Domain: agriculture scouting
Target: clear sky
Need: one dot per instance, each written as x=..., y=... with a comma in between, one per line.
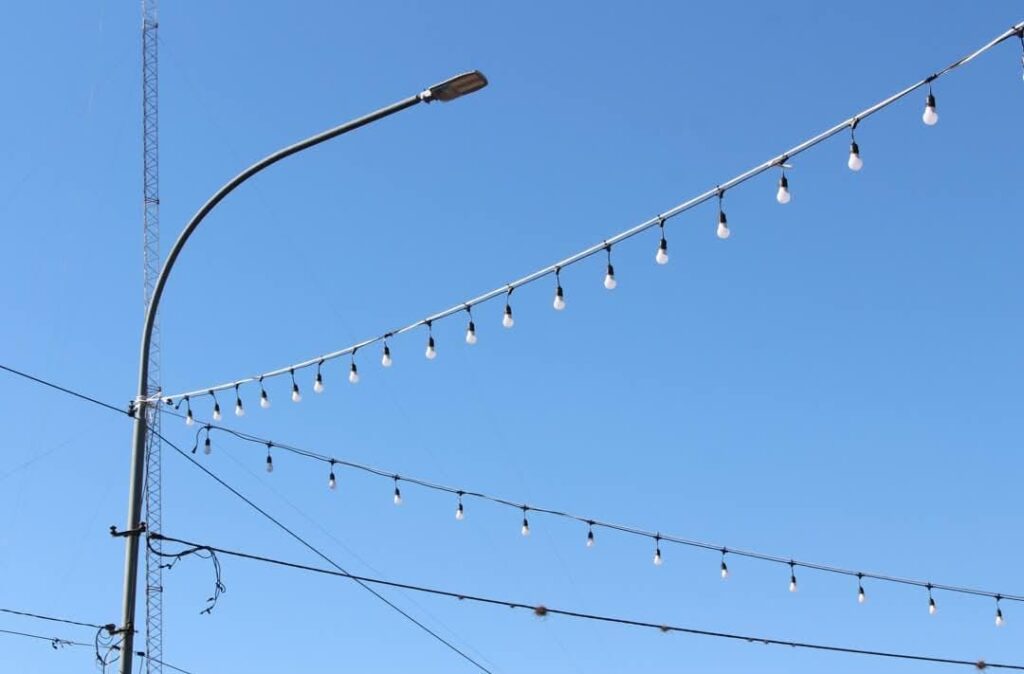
x=838, y=382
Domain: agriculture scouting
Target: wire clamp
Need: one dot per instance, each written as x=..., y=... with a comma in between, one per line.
x=129, y=532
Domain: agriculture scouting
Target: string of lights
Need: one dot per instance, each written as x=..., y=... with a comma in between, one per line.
x=780, y=162
x=309, y=546
x=544, y=611
x=591, y=523
x=462, y=496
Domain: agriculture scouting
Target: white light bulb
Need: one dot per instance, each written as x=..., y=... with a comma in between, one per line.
x=460, y=514
x=657, y=556
x=861, y=596
x=559, y=302
x=331, y=481
x=270, y=464
x=506, y=319
x=590, y=538
x=239, y=410
x=725, y=570
x=398, y=497
x=723, y=226
x=189, y=419
x=525, y=530
x=999, y=617
x=385, y=360
x=661, y=257
x=932, y=608
x=930, y=116
x=216, y=412
x=792, y=583
x=855, y=162
x=609, y=278
x=431, y=352
x=318, y=385
x=207, y=447
x=353, y=374
x=296, y=396
x=264, y=400
x=471, y=333
x=783, y=196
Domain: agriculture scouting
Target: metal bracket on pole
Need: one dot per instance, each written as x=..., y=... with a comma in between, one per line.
x=129, y=532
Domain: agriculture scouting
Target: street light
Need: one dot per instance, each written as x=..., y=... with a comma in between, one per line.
x=449, y=90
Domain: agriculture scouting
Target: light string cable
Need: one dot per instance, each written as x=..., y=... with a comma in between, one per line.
x=659, y=221
x=132, y=410
x=590, y=522
x=309, y=546
x=543, y=611
x=463, y=494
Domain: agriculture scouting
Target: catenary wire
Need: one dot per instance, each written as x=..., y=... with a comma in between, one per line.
x=542, y=610
x=251, y=504
x=599, y=523
x=657, y=221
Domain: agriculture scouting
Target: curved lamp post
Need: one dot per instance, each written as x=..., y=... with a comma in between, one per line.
x=449, y=90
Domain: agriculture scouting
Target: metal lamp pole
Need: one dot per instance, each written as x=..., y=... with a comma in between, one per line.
x=448, y=90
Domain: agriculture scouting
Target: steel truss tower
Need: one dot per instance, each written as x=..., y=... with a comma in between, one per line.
x=151, y=269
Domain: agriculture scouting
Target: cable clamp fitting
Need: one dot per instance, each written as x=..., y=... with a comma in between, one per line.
x=130, y=532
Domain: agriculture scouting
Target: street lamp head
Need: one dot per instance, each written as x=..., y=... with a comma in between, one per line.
x=457, y=86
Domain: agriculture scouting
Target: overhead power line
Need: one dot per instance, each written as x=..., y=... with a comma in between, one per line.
x=718, y=192
x=542, y=610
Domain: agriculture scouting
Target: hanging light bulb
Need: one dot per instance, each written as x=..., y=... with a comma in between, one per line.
x=470, y=328
x=239, y=408
x=861, y=595
x=506, y=319
x=216, y=407
x=725, y=567
x=398, y=493
x=431, y=352
x=609, y=277
x=999, y=613
x=525, y=529
x=460, y=513
x=932, y=608
x=783, y=196
x=264, y=399
x=930, y=116
x=559, y=301
x=318, y=383
x=792, y=577
x=661, y=257
x=590, y=534
x=353, y=372
x=385, y=359
x=296, y=395
x=657, y=550
x=189, y=419
x=270, y=460
x=723, y=223
x=332, y=482
x=207, y=447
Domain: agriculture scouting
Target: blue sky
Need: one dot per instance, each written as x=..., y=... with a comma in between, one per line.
x=837, y=382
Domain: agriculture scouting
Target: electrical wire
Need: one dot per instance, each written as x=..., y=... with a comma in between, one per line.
x=251, y=504
x=38, y=616
x=324, y=557
x=592, y=522
x=657, y=221
x=541, y=611
x=60, y=642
